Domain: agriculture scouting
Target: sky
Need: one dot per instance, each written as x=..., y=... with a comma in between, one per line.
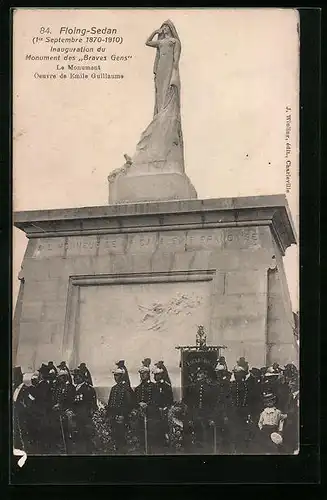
x=239, y=72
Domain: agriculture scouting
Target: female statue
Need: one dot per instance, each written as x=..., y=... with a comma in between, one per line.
x=161, y=144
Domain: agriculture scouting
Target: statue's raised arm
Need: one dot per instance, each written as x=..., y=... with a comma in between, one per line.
x=150, y=42
x=160, y=148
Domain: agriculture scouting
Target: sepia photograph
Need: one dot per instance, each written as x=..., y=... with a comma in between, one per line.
x=156, y=231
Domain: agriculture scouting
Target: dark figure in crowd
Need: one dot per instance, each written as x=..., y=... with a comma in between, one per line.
x=43, y=411
x=179, y=429
x=120, y=404
x=63, y=366
x=220, y=420
x=275, y=382
x=290, y=373
x=52, y=368
x=239, y=419
x=165, y=375
x=32, y=425
x=291, y=426
x=254, y=382
x=84, y=405
x=17, y=377
x=147, y=410
x=21, y=405
x=271, y=423
x=243, y=364
x=121, y=364
x=17, y=382
x=146, y=362
x=201, y=401
x=222, y=362
x=163, y=400
x=63, y=400
x=86, y=373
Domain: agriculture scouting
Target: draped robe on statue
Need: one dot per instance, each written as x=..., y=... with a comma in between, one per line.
x=161, y=144
x=156, y=171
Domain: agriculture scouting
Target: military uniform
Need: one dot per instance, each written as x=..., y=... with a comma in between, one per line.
x=201, y=401
x=147, y=412
x=238, y=414
x=43, y=394
x=84, y=405
x=163, y=400
x=63, y=400
x=222, y=394
x=120, y=404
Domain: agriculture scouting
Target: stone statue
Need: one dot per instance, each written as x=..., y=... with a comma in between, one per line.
x=201, y=337
x=161, y=144
x=160, y=148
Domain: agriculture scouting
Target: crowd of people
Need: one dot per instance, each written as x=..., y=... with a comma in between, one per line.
x=243, y=411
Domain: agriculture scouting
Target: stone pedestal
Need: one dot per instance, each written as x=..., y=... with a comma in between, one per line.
x=151, y=187
x=135, y=280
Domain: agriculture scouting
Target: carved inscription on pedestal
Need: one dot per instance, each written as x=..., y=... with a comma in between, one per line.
x=150, y=242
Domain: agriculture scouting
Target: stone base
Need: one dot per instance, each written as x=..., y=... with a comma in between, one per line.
x=133, y=281
x=151, y=187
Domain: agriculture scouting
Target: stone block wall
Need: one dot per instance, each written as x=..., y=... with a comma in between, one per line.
x=237, y=269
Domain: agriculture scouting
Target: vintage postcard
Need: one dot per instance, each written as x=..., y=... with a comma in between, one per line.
x=156, y=214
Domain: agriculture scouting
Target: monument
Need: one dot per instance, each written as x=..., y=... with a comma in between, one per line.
x=135, y=278
x=156, y=171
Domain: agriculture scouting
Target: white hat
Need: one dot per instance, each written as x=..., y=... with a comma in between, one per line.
x=157, y=371
x=219, y=368
x=27, y=378
x=118, y=371
x=271, y=372
x=144, y=369
x=238, y=368
x=276, y=438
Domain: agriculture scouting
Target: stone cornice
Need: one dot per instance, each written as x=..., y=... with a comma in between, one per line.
x=269, y=210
